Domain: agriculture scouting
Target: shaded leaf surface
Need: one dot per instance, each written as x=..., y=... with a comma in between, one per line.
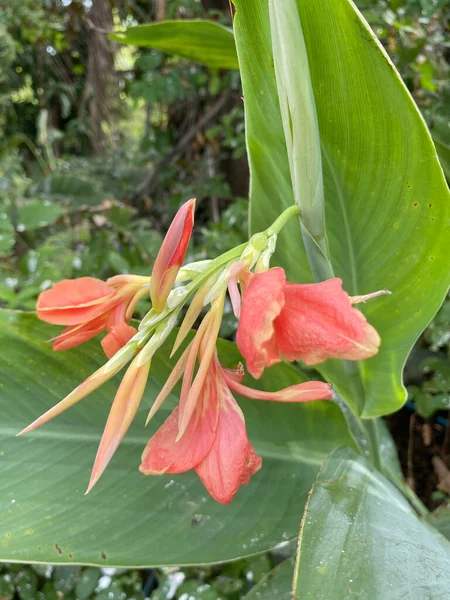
x=165, y=520
x=440, y=518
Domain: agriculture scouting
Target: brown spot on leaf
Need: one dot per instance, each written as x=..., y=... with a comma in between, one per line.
x=58, y=548
x=104, y=555
x=196, y=520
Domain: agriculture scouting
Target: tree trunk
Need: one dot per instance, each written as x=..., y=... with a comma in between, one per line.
x=101, y=89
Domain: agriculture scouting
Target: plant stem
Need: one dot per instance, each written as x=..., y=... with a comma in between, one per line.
x=281, y=221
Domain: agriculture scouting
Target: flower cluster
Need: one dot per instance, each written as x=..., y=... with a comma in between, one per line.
x=277, y=319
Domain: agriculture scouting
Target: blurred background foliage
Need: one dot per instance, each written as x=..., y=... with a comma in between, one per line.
x=226, y=582
x=99, y=145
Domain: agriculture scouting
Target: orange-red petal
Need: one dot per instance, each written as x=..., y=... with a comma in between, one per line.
x=231, y=459
x=164, y=454
x=262, y=303
x=74, y=301
x=123, y=410
x=78, y=334
x=117, y=338
x=300, y=392
x=319, y=322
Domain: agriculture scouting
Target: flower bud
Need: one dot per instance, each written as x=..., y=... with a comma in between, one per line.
x=171, y=255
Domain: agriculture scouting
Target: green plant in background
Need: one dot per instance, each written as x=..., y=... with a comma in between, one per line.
x=433, y=393
x=40, y=582
x=102, y=211
x=414, y=32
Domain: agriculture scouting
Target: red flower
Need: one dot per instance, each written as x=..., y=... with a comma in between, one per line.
x=207, y=432
x=215, y=442
x=308, y=322
x=89, y=306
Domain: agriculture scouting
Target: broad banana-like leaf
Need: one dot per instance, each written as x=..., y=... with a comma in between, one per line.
x=276, y=584
x=387, y=206
x=129, y=519
x=360, y=538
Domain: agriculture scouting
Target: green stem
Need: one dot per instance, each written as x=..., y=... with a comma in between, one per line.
x=217, y=264
x=281, y=221
x=221, y=261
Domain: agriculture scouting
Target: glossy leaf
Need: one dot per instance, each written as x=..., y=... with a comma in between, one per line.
x=430, y=7
x=204, y=42
x=164, y=520
x=359, y=537
x=386, y=201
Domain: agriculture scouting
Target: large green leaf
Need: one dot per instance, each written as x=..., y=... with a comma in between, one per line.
x=386, y=201
x=34, y=214
x=359, y=537
x=130, y=519
x=205, y=42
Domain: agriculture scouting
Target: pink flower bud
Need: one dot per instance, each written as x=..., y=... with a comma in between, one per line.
x=171, y=255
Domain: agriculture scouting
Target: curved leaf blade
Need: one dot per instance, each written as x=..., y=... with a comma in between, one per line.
x=359, y=537
x=440, y=519
x=204, y=42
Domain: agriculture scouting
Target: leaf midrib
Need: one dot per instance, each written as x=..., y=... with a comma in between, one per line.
x=345, y=218
x=297, y=455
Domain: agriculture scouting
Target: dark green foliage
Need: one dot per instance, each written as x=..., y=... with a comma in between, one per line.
x=415, y=34
x=43, y=582
x=432, y=394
